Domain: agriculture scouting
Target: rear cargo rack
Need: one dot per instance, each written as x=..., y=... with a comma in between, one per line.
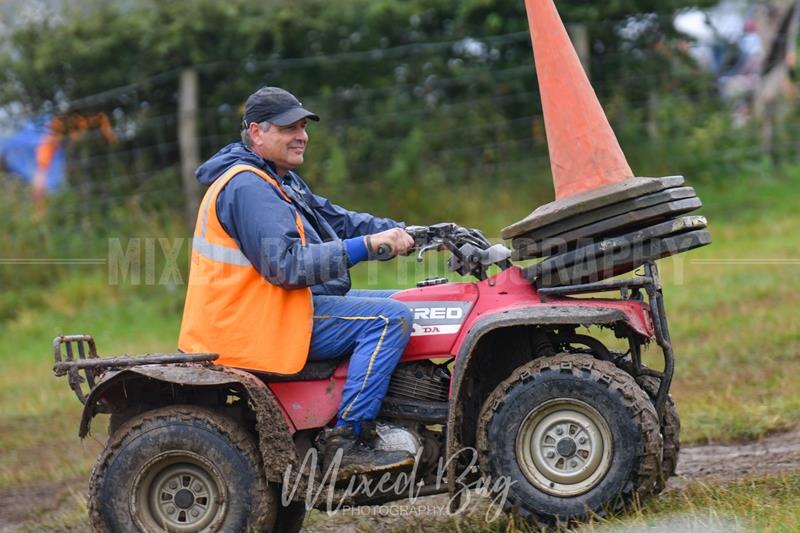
x=87, y=367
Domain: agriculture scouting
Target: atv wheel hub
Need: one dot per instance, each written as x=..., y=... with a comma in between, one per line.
x=179, y=492
x=183, y=498
x=564, y=447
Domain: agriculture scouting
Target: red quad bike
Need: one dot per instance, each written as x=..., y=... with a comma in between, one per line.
x=497, y=383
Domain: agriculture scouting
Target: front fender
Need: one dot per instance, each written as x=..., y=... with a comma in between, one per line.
x=274, y=439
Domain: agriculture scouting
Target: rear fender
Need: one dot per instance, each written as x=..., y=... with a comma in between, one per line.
x=274, y=437
x=511, y=327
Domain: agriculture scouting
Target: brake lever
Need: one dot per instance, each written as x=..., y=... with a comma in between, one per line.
x=431, y=246
x=478, y=235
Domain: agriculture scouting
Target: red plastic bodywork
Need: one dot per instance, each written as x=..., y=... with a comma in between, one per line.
x=421, y=345
x=312, y=404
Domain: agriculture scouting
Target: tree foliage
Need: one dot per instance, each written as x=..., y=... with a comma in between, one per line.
x=421, y=92
x=108, y=44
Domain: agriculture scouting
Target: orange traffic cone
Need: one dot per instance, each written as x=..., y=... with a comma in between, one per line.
x=584, y=152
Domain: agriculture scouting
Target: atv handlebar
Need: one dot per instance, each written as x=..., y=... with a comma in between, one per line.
x=384, y=251
x=472, y=251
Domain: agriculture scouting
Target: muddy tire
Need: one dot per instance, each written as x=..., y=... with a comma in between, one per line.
x=180, y=468
x=670, y=426
x=670, y=432
x=574, y=435
x=117, y=419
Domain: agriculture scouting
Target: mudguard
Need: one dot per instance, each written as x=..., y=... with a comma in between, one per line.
x=274, y=439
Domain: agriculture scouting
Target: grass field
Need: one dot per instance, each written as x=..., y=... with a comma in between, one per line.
x=733, y=315
x=759, y=504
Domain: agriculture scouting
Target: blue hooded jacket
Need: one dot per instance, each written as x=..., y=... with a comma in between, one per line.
x=263, y=224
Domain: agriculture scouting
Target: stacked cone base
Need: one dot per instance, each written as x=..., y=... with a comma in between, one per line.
x=589, y=200
x=525, y=248
x=530, y=245
x=618, y=255
x=608, y=231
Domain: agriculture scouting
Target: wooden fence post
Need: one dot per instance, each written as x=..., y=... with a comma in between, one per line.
x=188, y=141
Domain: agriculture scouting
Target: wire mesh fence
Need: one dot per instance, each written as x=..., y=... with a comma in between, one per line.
x=428, y=117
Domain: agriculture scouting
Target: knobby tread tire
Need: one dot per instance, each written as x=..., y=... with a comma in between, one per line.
x=262, y=518
x=670, y=431
x=670, y=425
x=117, y=419
x=642, y=479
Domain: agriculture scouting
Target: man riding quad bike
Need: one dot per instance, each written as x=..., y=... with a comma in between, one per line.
x=495, y=366
x=452, y=385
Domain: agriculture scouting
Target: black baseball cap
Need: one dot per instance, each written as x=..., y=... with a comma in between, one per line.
x=276, y=106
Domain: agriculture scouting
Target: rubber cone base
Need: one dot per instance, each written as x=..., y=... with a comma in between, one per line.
x=589, y=200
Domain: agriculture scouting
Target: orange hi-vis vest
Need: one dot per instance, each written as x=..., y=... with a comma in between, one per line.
x=231, y=309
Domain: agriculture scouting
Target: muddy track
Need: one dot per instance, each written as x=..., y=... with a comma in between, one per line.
x=776, y=454
x=772, y=455
x=24, y=506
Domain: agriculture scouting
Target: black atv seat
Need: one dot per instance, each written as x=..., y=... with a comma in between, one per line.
x=313, y=370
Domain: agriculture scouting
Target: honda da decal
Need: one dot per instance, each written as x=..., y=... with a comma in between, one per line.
x=438, y=318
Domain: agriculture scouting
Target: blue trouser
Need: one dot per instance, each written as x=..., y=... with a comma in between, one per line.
x=375, y=329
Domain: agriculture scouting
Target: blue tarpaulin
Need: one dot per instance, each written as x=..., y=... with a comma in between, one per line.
x=18, y=153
